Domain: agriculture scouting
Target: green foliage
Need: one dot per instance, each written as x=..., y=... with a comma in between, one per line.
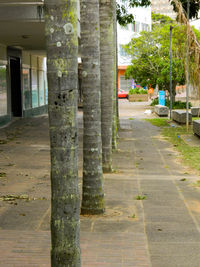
x=197, y=33
x=139, y=197
x=175, y=105
x=162, y=19
x=123, y=16
x=150, y=57
x=194, y=7
x=137, y=91
x=2, y=174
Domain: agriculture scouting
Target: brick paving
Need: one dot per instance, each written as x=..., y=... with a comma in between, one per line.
x=31, y=248
x=24, y=248
x=112, y=240
x=160, y=231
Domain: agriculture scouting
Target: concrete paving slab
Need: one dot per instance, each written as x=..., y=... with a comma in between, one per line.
x=162, y=230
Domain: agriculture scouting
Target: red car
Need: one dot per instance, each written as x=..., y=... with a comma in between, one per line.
x=122, y=94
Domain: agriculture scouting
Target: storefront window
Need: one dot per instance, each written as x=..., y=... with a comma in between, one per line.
x=3, y=91
x=26, y=89
x=41, y=87
x=34, y=89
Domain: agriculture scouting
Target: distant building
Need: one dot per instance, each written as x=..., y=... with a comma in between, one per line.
x=23, y=74
x=142, y=22
x=163, y=7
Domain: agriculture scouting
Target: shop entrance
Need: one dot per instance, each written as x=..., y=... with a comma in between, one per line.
x=15, y=83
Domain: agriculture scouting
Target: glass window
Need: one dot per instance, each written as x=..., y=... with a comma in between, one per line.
x=136, y=26
x=3, y=91
x=34, y=89
x=122, y=52
x=125, y=84
x=41, y=87
x=45, y=88
x=145, y=27
x=26, y=89
x=125, y=27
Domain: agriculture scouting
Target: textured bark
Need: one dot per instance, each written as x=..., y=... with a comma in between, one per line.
x=174, y=91
x=107, y=48
x=93, y=195
x=115, y=85
x=62, y=52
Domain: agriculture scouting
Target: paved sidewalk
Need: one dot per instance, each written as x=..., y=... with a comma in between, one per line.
x=162, y=230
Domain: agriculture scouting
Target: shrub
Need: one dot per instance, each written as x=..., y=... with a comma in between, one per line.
x=143, y=91
x=137, y=91
x=176, y=105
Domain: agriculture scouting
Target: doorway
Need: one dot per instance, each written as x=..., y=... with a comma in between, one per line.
x=15, y=83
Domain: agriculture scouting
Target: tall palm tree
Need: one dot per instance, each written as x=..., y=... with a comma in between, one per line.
x=62, y=52
x=115, y=85
x=108, y=78
x=93, y=194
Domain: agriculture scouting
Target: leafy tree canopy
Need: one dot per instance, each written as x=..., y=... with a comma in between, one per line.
x=194, y=7
x=150, y=57
x=123, y=6
x=159, y=18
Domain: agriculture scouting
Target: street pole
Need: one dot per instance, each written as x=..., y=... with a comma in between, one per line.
x=171, y=71
x=187, y=68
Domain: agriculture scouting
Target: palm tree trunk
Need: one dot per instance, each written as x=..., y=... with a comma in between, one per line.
x=115, y=83
x=174, y=92
x=62, y=52
x=93, y=194
x=107, y=79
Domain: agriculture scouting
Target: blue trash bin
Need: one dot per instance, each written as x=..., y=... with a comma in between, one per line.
x=162, y=98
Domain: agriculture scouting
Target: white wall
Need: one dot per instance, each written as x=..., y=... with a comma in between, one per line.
x=142, y=17
x=196, y=23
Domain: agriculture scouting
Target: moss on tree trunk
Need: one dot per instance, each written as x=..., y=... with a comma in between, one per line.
x=93, y=194
x=107, y=48
x=62, y=52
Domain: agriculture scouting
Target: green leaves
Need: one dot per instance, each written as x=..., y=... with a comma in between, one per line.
x=150, y=56
x=194, y=7
x=123, y=16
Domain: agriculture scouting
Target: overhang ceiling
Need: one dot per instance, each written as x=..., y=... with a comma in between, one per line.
x=22, y=24
x=28, y=35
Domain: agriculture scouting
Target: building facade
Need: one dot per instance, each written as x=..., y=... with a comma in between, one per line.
x=23, y=78
x=163, y=7
x=142, y=22
x=23, y=74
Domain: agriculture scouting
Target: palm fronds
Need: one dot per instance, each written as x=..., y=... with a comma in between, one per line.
x=194, y=46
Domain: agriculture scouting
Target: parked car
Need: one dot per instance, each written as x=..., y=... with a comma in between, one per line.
x=122, y=94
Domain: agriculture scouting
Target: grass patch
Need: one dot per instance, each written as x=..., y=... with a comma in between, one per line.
x=195, y=118
x=183, y=180
x=3, y=142
x=132, y=216
x=160, y=122
x=190, y=155
x=131, y=119
x=197, y=184
x=140, y=197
